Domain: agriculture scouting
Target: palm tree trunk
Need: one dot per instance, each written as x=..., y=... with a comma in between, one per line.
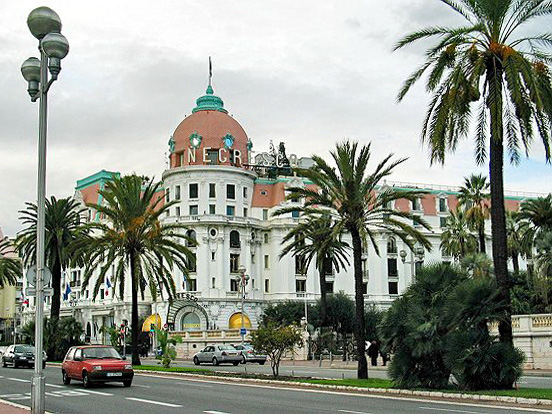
x=323, y=293
x=56, y=297
x=359, y=328
x=498, y=213
x=482, y=243
x=515, y=262
x=135, y=322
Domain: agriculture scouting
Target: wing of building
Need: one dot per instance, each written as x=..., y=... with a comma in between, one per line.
x=226, y=196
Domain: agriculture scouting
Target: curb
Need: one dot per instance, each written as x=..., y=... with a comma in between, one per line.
x=390, y=391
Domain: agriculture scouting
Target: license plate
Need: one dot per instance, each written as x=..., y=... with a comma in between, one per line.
x=23, y=357
x=114, y=374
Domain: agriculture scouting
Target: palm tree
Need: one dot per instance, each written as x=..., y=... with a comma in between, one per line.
x=132, y=240
x=543, y=266
x=315, y=239
x=359, y=207
x=63, y=230
x=456, y=239
x=484, y=62
x=478, y=265
x=519, y=238
x=10, y=267
x=538, y=212
x=473, y=198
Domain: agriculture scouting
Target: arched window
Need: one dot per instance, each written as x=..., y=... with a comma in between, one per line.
x=234, y=239
x=235, y=321
x=190, y=322
x=391, y=245
x=191, y=234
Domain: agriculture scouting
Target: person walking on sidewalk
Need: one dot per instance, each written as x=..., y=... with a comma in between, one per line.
x=373, y=352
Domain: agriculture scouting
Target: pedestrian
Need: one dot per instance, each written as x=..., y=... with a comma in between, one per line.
x=384, y=357
x=373, y=352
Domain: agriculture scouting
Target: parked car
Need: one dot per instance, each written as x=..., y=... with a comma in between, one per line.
x=250, y=355
x=19, y=355
x=218, y=354
x=95, y=363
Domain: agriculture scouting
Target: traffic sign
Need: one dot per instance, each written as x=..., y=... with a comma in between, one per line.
x=31, y=276
x=243, y=331
x=31, y=291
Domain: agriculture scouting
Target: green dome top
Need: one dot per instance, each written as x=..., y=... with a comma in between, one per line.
x=209, y=102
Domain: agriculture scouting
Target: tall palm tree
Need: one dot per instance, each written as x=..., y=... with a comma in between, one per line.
x=538, y=212
x=484, y=61
x=10, y=267
x=63, y=229
x=457, y=240
x=315, y=239
x=473, y=198
x=543, y=266
x=350, y=193
x=133, y=242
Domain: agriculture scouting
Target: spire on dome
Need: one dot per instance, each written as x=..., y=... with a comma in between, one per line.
x=209, y=101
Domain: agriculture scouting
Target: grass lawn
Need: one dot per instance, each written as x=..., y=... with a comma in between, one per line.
x=351, y=382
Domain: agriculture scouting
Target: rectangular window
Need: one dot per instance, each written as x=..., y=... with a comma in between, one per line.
x=230, y=191
x=194, y=211
x=167, y=196
x=177, y=192
x=443, y=205
x=244, y=192
x=265, y=238
x=234, y=286
x=365, y=288
x=102, y=295
x=212, y=209
x=266, y=261
x=178, y=212
x=193, y=191
x=230, y=210
x=212, y=190
x=192, y=267
x=329, y=287
x=392, y=270
x=192, y=285
x=295, y=214
x=234, y=262
x=443, y=222
x=245, y=211
x=393, y=288
x=416, y=205
x=265, y=214
x=252, y=258
x=267, y=286
x=301, y=286
x=213, y=282
x=213, y=256
x=299, y=265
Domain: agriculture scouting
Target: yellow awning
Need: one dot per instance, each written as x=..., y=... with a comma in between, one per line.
x=154, y=319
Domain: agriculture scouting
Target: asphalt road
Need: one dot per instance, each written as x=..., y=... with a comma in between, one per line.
x=313, y=370
x=179, y=395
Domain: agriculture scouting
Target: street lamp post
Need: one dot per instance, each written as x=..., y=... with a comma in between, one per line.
x=45, y=25
x=242, y=280
x=419, y=254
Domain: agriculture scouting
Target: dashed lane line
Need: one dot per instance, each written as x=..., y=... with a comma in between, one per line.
x=352, y=412
x=55, y=386
x=96, y=392
x=153, y=402
x=18, y=379
x=215, y=412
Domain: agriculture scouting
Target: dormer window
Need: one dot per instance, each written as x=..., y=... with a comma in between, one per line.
x=442, y=205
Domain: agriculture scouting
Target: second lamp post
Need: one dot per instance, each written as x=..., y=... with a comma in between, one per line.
x=242, y=280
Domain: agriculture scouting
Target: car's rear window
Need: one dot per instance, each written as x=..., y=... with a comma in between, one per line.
x=227, y=348
x=100, y=353
x=24, y=348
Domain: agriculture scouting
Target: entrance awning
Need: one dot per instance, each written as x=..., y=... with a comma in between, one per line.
x=154, y=319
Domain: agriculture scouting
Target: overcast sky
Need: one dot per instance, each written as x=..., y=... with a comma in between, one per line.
x=307, y=72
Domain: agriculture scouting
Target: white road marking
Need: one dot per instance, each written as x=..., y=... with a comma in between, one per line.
x=17, y=379
x=9, y=395
x=352, y=412
x=451, y=410
x=351, y=394
x=97, y=393
x=153, y=402
x=215, y=412
x=141, y=386
x=55, y=386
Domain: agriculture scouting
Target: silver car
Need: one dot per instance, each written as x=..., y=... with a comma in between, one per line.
x=218, y=354
x=250, y=355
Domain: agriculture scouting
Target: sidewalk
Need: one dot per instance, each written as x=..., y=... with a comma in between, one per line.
x=8, y=407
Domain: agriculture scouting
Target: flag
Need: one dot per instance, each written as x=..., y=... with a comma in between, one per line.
x=107, y=286
x=67, y=292
x=210, y=70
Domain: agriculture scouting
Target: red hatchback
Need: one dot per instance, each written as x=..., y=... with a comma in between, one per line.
x=95, y=363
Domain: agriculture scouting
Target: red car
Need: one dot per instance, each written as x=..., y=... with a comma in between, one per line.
x=95, y=363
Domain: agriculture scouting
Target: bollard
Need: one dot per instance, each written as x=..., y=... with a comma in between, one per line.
x=292, y=373
x=320, y=360
x=331, y=358
x=342, y=375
